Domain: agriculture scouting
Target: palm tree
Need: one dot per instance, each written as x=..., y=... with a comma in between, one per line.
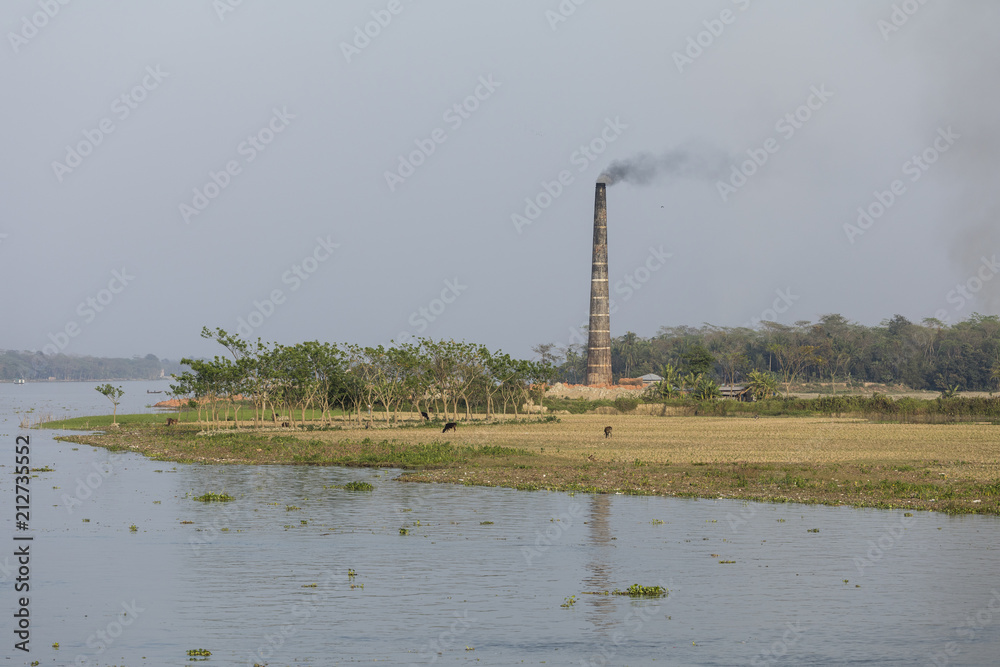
x=629, y=350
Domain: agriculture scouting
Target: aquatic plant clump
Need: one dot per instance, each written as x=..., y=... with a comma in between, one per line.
x=636, y=591
x=215, y=498
x=358, y=486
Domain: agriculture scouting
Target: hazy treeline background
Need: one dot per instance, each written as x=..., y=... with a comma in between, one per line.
x=930, y=355
x=30, y=366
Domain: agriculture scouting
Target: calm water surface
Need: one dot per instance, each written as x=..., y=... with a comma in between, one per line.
x=264, y=579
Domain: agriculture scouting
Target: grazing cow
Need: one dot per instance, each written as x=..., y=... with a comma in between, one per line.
x=425, y=416
x=450, y=426
x=171, y=421
x=607, y=432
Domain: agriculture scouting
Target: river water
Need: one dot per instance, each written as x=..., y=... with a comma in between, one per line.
x=478, y=578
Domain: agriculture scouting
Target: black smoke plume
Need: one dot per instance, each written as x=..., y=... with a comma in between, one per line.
x=647, y=168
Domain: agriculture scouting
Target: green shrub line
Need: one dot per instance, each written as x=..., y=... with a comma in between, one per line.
x=877, y=407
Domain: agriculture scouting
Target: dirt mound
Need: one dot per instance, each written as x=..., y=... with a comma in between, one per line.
x=611, y=391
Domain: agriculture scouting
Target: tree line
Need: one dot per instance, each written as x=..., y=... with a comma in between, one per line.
x=16, y=365
x=930, y=355
x=313, y=379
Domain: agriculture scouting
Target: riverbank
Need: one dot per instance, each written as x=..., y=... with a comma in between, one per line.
x=951, y=468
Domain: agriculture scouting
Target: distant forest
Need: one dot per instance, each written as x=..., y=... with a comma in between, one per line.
x=37, y=366
x=930, y=355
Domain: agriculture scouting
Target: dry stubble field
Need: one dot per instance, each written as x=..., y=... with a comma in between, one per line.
x=953, y=467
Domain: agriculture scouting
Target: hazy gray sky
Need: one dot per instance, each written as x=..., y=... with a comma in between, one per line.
x=329, y=170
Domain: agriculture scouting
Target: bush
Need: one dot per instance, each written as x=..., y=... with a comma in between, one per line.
x=626, y=403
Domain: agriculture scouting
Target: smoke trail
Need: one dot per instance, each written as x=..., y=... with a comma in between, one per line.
x=647, y=168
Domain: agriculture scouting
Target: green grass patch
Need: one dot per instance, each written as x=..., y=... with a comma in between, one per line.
x=399, y=455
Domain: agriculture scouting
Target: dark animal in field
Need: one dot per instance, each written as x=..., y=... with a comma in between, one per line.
x=286, y=425
x=607, y=432
x=450, y=426
x=171, y=421
x=591, y=458
x=756, y=416
x=425, y=416
x=368, y=424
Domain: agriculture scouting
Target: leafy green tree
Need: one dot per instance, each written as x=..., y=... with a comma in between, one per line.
x=113, y=394
x=412, y=366
x=698, y=360
x=503, y=371
x=793, y=358
x=731, y=361
x=547, y=353
x=574, y=368
x=628, y=348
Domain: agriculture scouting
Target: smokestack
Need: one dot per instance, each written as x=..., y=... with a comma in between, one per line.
x=599, y=344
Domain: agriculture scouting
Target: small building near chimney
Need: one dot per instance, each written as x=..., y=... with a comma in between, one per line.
x=650, y=379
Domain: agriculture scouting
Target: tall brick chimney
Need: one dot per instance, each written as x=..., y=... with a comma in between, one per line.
x=599, y=344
